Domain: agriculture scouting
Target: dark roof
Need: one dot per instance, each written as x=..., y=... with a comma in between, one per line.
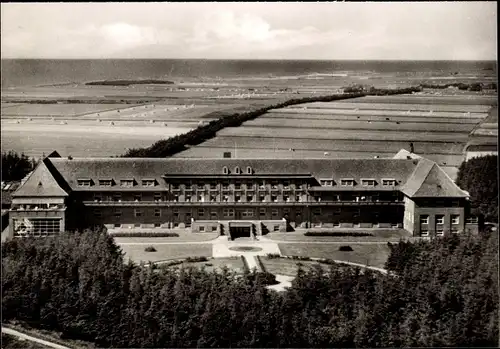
x=41, y=182
x=415, y=177
x=429, y=180
x=142, y=168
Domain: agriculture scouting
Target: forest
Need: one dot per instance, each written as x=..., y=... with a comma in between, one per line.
x=441, y=292
x=479, y=176
x=15, y=166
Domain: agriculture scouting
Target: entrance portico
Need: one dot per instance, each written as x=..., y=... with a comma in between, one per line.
x=241, y=229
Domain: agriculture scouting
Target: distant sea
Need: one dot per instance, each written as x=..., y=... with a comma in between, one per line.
x=35, y=72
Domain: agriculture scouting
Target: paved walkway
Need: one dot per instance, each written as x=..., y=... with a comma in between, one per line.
x=252, y=263
x=32, y=339
x=284, y=282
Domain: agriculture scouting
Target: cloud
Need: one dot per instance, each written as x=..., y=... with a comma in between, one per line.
x=463, y=30
x=227, y=31
x=123, y=34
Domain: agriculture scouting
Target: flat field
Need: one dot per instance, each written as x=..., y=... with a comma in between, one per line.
x=374, y=126
x=107, y=120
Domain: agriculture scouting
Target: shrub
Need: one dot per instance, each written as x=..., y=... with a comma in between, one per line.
x=263, y=278
x=328, y=261
x=300, y=258
x=135, y=234
x=273, y=255
x=345, y=248
x=169, y=264
x=336, y=233
x=196, y=259
x=150, y=249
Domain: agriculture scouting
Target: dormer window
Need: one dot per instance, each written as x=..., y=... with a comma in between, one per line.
x=128, y=183
x=237, y=170
x=84, y=182
x=249, y=170
x=347, y=182
x=225, y=170
x=148, y=182
x=326, y=182
x=106, y=182
x=368, y=182
x=388, y=182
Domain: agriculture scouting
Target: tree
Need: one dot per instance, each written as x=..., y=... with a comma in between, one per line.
x=479, y=177
x=15, y=167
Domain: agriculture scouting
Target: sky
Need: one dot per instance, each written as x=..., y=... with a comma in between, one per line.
x=251, y=30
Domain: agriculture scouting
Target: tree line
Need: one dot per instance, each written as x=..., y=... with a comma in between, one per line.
x=442, y=292
x=479, y=176
x=176, y=144
x=15, y=167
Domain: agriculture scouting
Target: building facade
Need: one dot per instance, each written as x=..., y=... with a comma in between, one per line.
x=239, y=195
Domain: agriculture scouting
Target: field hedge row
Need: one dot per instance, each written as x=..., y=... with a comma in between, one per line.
x=142, y=235
x=475, y=86
x=176, y=144
x=128, y=82
x=336, y=233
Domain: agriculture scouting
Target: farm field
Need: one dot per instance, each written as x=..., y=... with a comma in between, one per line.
x=372, y=126
x=49, y=110
x=107, y=120
x=76, y=140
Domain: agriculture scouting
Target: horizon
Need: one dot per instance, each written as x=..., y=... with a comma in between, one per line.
x=251, y=60
x=320, y=31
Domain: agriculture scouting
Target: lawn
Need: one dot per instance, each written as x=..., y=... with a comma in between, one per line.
x=233, y=263
x=288, y=267
x=369, y=254
x=166, y=251
x=382, y=235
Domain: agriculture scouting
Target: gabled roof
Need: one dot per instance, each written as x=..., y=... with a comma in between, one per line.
x=429, y=180
x=40, y=183
x=143, y=168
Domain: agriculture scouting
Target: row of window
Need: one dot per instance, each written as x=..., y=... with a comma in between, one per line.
x=455, y=219
x=237, y=170
x=237, y=185
x=230, y=212
x=127, y=183
x=439, y=232
x=261, y=197
x=227, y=212
x=350, y=182
x=36, y=225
